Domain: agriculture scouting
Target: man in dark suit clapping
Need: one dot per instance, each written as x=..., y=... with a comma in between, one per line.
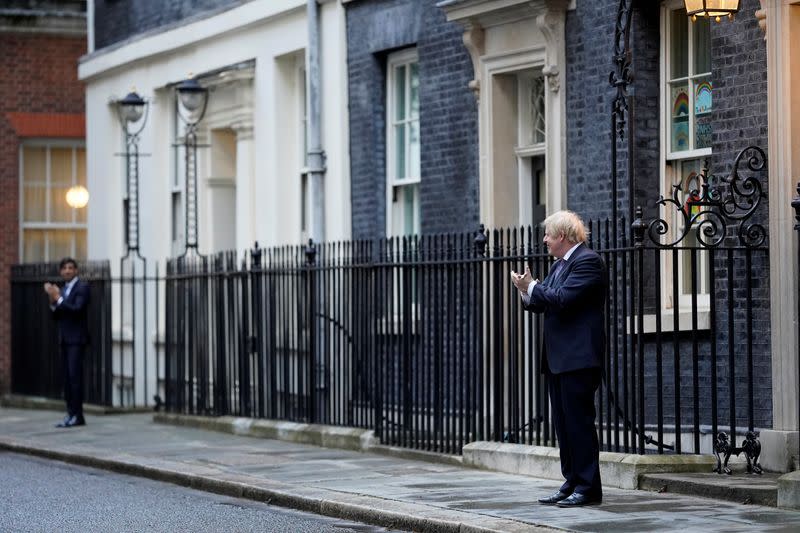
x=69, y=308
x=572, y=298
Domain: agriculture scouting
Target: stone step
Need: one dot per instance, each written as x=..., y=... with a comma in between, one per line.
x=737, y=487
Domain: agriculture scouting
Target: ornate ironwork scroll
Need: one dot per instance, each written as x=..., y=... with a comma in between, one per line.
x=710, y=204
x=622, y=75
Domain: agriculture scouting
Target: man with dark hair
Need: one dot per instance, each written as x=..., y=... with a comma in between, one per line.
x=69, y=309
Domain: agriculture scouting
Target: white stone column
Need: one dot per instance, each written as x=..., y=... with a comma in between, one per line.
x=780, y=444
x=245, y=187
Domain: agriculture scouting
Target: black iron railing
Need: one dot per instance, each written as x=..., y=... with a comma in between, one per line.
x=425, y=340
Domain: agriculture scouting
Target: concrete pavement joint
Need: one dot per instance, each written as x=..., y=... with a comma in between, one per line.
x=283, y=498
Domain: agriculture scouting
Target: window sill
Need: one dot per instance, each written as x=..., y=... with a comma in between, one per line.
x=668, y=319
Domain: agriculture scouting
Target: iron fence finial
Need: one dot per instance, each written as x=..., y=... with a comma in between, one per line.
x=480, y=241
x=255, y=256
x=311, y=252
x=638, y=227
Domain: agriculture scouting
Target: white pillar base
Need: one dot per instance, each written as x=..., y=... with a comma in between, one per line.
x=779, y=450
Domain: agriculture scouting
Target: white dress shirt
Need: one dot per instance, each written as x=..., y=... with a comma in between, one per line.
x=526, y=297
x=65, y=293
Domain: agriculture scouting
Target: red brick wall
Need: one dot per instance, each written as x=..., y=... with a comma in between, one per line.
x=38, y=74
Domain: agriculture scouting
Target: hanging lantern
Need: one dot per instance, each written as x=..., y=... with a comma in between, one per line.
x=712, y=8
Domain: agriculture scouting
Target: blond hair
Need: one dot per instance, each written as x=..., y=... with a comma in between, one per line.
x=565, y=223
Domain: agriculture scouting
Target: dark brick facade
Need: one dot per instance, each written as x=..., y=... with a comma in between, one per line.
x=739, y=76
x=40, y=75
x=117, y=20
x=448, y=115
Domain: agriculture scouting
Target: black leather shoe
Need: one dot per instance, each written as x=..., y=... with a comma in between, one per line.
x=577, y=499
x=72, y=422
x=554, y=498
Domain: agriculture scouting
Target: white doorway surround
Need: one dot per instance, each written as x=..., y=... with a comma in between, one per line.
x=227, y=191
x=512, y=43
x=782, y=18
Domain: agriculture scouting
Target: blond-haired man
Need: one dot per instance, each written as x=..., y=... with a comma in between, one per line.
x=572, y=298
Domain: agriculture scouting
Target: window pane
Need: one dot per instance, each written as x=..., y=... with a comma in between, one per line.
x=702, y=110
x=61, y=166
x=80, y=244
x=400, y=151
x=405, y=210
x=60, y=211
x=413, y=149
x=33, y=203
x=537, y=109
x=679, y=44
x=80, y=155
x=414, y=90
x=410, y=209
x=400, y=93
x=33, y=246
x=59, y=244
x=702, y=45
x=34, y=164
x=679, y=112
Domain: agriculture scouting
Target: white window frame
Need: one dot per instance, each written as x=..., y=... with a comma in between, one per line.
x=402, y=58
x=48, y=144
x=672, y=163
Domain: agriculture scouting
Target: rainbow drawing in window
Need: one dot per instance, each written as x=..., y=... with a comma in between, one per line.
x=680, y=102
x=680, y=119
x=702, y=101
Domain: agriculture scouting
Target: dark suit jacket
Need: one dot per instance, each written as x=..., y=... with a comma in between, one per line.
x=573, y=307
x=73, y=325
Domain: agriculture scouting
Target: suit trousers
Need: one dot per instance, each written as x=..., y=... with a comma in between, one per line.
x=72, y=365
x=572, y=401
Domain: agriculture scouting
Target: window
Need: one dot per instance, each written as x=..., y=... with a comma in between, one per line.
x=50, y=229
x=531, y=147
x=688, y=83
x=402, y=144
x=302, y=114
x=686, y=112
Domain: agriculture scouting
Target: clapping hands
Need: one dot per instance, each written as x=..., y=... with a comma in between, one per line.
x=52, y=291
x=522, y=281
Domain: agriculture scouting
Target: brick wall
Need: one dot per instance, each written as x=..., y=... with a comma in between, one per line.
x=739, y=75
x=448, y=115
x=39, y=76
x=117, y=20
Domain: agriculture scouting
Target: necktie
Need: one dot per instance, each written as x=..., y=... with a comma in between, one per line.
x=556, y=272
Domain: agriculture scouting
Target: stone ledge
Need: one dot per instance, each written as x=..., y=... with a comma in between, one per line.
x=318, y=435
x=616, y=469
x=19, y=401
x=354, y=439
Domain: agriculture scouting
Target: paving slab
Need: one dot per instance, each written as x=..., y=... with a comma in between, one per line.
x=387, y=491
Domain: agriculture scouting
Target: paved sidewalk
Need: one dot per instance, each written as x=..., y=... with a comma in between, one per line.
x=391, y=492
